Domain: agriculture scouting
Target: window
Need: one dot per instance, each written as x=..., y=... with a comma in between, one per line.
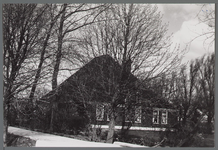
x=100, y=112
x=164, y=117
x=155, y=116
x=108, y=119
x=138, y=114
x=160, y=113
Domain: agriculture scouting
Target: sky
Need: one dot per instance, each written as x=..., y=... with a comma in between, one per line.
x=185, y=26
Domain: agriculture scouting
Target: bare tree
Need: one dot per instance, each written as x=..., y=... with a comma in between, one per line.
x=74, y=17
x=206, y=87
x=187, y=84
x=130, y=33
x=206, y=15
x=21, y=27
x=194, y=96
x=50, y=20
x=51, y=15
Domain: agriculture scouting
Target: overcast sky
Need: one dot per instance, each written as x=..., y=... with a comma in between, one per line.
x=183, y=22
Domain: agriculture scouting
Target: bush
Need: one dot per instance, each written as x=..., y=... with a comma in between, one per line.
x=204, y=128
x=70, y=125
x=150, y=140
x=19, y=141
x=103, y=135
x=174, y=139
x=146, y=140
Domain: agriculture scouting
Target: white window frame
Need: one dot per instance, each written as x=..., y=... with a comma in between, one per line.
x=166, y=119
x=138, y=114
x=108, y=119
x=157, y=116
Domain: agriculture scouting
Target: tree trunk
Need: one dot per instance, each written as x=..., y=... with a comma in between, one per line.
x=5, y=133
x=5, y=125
x=57, y=64
x=123, y=124
x=37, y=76
x=94, y=134
x=6, y=101
x=110, y=135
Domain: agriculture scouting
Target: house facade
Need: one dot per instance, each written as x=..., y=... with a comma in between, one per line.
x=142, y=116
x=86, y=96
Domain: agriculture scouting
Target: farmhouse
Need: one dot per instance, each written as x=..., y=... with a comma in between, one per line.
x=86, y=95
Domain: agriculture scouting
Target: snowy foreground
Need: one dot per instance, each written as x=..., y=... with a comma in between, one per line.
x=49, y=140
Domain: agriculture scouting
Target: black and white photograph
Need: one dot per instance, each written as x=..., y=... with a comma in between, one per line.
x=108, y=75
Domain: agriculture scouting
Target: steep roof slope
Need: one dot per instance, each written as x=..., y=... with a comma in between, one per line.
x=97, y=74
x=94, y=78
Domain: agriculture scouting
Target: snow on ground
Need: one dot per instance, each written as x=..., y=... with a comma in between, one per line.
x=122, y=144
x=49, y=140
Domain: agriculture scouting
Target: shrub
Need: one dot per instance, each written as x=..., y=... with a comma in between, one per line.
x=150, y=140
x=19, y=141
x=70, y=125
x=103, y=135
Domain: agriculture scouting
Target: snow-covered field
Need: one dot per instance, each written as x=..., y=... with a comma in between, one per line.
x=49, y=140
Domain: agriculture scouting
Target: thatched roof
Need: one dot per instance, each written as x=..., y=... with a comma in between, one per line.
x=94, y=79
x=98, y=71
